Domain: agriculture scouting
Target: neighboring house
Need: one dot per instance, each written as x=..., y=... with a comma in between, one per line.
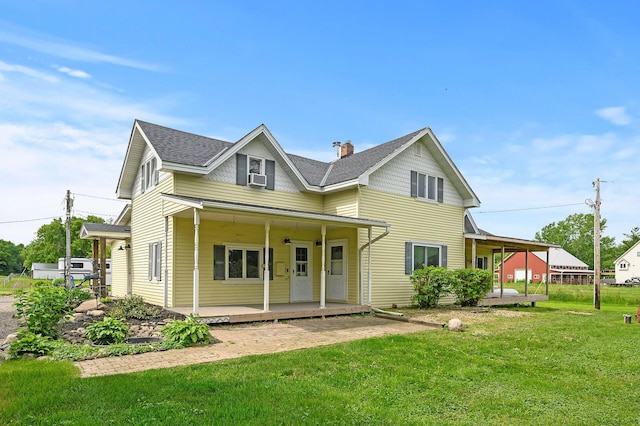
x=214, y=223
x=563, y=267
x=627, y=266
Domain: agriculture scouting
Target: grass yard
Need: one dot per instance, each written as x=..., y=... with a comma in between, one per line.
x=559, y=363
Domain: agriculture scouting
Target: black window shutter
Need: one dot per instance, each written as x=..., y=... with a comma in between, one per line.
x=408, y=258
x=414, y=184
x=440, y=190
x=443, y=254
x=241, y=169
x=270, y=171
x=218, y=262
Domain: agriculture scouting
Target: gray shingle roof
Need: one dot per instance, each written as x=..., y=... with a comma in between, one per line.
x=105, y=227
x=194, y=150
x=181, y=147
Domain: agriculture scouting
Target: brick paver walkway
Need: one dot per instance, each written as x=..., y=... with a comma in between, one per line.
x=247, y=339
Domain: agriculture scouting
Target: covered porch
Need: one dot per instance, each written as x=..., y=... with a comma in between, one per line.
x=481, y=243
x=265, y=263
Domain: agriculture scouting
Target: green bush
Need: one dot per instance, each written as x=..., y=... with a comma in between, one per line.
x=430, y=283
x=133, y=307
x=109, y=330
x=30, y=343
x=471, y=285
x=187, y=332
x=44, y=306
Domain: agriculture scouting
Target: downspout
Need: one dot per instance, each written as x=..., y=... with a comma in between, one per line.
x=166, y=261
x=361, y=251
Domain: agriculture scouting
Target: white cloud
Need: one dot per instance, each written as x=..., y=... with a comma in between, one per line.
x=615, y=115
x=73, y=73
x=44, y=43
x=26, y=71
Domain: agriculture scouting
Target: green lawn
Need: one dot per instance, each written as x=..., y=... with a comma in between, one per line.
x=559, y=363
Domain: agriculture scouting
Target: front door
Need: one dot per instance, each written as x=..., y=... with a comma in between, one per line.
x=301, y=272
x=337, y=270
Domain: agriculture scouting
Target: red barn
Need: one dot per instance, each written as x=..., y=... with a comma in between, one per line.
x=564, y=268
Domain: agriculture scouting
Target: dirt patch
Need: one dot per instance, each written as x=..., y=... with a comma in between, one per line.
x=8, y=324
x=468, y=316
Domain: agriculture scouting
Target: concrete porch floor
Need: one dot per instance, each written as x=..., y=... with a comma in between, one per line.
x=277, y=311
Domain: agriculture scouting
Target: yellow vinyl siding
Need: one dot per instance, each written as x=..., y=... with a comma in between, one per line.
x=343, y=203
x=148, y=227
x=118, y=269
x=204, y=188
x=411, y=220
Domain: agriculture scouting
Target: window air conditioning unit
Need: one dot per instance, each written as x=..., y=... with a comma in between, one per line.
x=257, y=180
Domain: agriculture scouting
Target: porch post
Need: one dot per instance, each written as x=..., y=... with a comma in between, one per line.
x=267, y=227
x=474, y=263
x=502, y=273
x=548, y=276
x=369, y=270
x=196, y=272
x=323, y=283
x=526, y=272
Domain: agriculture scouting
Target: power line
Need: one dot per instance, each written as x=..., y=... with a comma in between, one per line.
x=94, y=214
x=531, y=208
x=29, y=220
x=101, y=198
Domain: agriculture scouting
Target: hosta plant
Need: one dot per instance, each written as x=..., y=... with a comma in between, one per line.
x=187, y=332
x=109, y=330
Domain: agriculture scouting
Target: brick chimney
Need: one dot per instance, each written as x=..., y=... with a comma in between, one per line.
x=346, y=149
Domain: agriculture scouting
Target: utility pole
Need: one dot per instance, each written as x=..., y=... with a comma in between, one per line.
x=67, y=259
x=596, y=246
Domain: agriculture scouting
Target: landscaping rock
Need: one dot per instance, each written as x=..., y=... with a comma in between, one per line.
x=455, y=324
x=88, y=305
x=95, y=313
x=10, y=339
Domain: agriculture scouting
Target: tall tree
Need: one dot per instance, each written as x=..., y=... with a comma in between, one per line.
x=10, y=257
x=575, y=235
x=49, y=244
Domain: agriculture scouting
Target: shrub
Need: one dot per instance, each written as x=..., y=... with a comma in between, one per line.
x=109, y=330
x=134, y=307
x=30, y=343
x=430, y=283
x=471, y=285
x=187, y=332
x=44, y=306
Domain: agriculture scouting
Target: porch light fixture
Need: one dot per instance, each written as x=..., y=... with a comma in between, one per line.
x=127, y=247
x=318, y=243
x=286, y=240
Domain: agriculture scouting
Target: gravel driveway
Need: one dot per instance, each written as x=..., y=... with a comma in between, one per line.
x=8, y=324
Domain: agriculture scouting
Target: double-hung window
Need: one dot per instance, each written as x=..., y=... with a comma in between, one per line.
x=427, y=187
x=420, y=254
x=255, y=172
x=148, y=175
x=482, y=262
x=155, y=262
x=240, y=263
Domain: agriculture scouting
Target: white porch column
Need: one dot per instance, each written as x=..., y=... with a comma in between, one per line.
x=474, y=255
x=369, y=286
x=526, y=272
x=196, y=272
x=323, y=273
x=267, y=227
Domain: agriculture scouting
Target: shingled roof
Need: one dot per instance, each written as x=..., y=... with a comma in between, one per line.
x=178, y=147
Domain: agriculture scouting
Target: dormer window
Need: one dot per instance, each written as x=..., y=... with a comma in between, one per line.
x=255, y=172
x=149, y=175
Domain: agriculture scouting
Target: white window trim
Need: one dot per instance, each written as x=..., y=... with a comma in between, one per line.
x=156, y=261
x=426, y=187
x=244, y=247
x=425, y=244
x=262, y=165
x=149, y=174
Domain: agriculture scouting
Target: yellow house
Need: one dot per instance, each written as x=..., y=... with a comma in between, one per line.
x=228, y=225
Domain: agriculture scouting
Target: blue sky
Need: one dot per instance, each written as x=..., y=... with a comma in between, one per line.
x=532, y=100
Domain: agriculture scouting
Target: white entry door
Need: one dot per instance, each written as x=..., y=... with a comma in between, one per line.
x=337, y=270
x=301, y=272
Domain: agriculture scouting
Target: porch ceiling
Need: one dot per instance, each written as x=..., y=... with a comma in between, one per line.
x=496, y=242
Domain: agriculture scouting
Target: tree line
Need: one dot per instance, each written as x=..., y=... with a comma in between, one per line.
x=48, y=246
